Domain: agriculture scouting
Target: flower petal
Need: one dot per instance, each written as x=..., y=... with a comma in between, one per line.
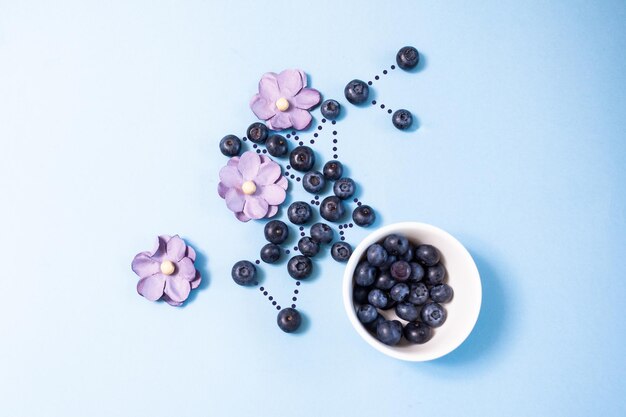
x=242, y=217
x=176, y=248
x=255, y=207
x=268, y=173
x=221, y=189
x=273, y=194
x=177, y=288
x=196, y=281
x=235, y=200
x=233, y=162
x=191, y=253
x=151, y=287
x=290, y=82
x=144, y=266
x=170, y=301
x=249, y=164
x=282, y=182
x=262, y=108
x=186, y=269
x=271, y=212
x=280, y=121
x=268, y=87
x=158, y=251
x=300, y=119
x=306, y=98
x=230, y=177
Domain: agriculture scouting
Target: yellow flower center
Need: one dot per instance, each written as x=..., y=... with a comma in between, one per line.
x=282, y=104
x=248, y=187
x=167, y=267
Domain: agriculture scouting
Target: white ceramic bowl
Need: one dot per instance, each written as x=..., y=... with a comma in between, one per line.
x=462, y=276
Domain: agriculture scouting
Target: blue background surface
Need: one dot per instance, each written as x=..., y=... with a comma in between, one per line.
x=110, y=115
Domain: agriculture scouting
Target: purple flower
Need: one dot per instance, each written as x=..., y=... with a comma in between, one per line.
x=167, y=272
x=283, y=100
x=252, y=186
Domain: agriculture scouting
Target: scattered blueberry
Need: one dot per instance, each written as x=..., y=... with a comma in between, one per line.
x=271, y=253
x=341, y=251
x=366, y=313
x=407, y=311
x=299, y=212
x=433, y=314
x=344, y=188
x=418, y=294
x=389, y=332
x=313, y=182
x=378, y=298
x=356, y=91
x=364, y=274
x=244, y=273
x=417, y=332
x=396, y=244
x=363, y=215
x=333, y=170
x=332, y=209
x=276, y=231
x=359, y=294
x=289, y=320
x=417, y=272
x=302, y=158
x=376, y=255
x=322, y=233
x=308, y=247
x=257, y=132
x=277, y=145
x=441, y=293
x=402, y=119
x=384, y=281
x=435, y=274
x=230, y=145
x=330, y=109
x=427, y=255
x=299, y=267
x=399, y=292
x=400, y=271
x=407, y=57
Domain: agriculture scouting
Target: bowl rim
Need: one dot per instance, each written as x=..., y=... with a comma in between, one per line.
x=356, y=256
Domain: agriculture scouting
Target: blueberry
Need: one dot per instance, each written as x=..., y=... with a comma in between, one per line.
x=313, y=182
x=396, y=245
x=356, y=91
x=344, y=188
x=270, y=253
x=427, y=255
x=418, y=294
x=257, y=132
x=299, y=267
x=417, y=272
x=384, y=281
x=332, y=209
x=299, y=212
x=390, y=260
x=400, y=271
x=399, y=292
x=402, y=119
x=374, y=324
x=376, y=255
x=408, y=255
x=390, y=304
x=417, y=332
x=441, y=293
x=308, y=247
x=407, y=311
x=364, y=274
x=363, y=215
x=322, y=233
x=289, y=320
x=359, y=294
x=330, y=109
x=433, y=314
x=302, y=158
x=407, y=57
x=333, y=170
x=389, y=332
x=276, y=231
x=277, y=145
x=366, y=313
x=435, y=274
x=378, y=298
x=230, y=145
x=244, y=273
x=341, y=251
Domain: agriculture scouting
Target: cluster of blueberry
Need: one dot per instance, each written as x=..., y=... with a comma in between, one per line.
x=410, y=279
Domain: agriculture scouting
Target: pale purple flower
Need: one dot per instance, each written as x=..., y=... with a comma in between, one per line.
x=283, y=100
x=167, y=272
x=252, y=185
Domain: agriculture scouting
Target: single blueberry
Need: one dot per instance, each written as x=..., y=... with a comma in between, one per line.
x=396, y=244
x=271, y=253
x=341, y=251
x=322, y=233
x=378, y=298
x=400, y=271
x=433, y=314
x=427, y=255
x=344, y=188
x=302, y=158
x=418, y=294
x=389, y=332
x=356, y=91
x=407, y=57
x=366, y=313
x=330, y=109
x=364, y=274
x=257, y=132
x=417, y=272
x=359, y=294
x=277, y=146
x=363, y=215
x=402, y=119
x=332, y=209
x=399, y=292
x=299, y=267
x=333, y=170
x=407, y=311
x=313, y=182
x=230, y=145
x=441, y=293
x=244, y=273
x=384, y=281
x=376, y=255
x=276, y=231
x=299, y=212
x=289, y=320
x=417, y=332
x=308, y=247
x=435, y=274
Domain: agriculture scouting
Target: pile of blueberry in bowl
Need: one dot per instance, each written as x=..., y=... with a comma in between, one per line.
x=412, y=291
